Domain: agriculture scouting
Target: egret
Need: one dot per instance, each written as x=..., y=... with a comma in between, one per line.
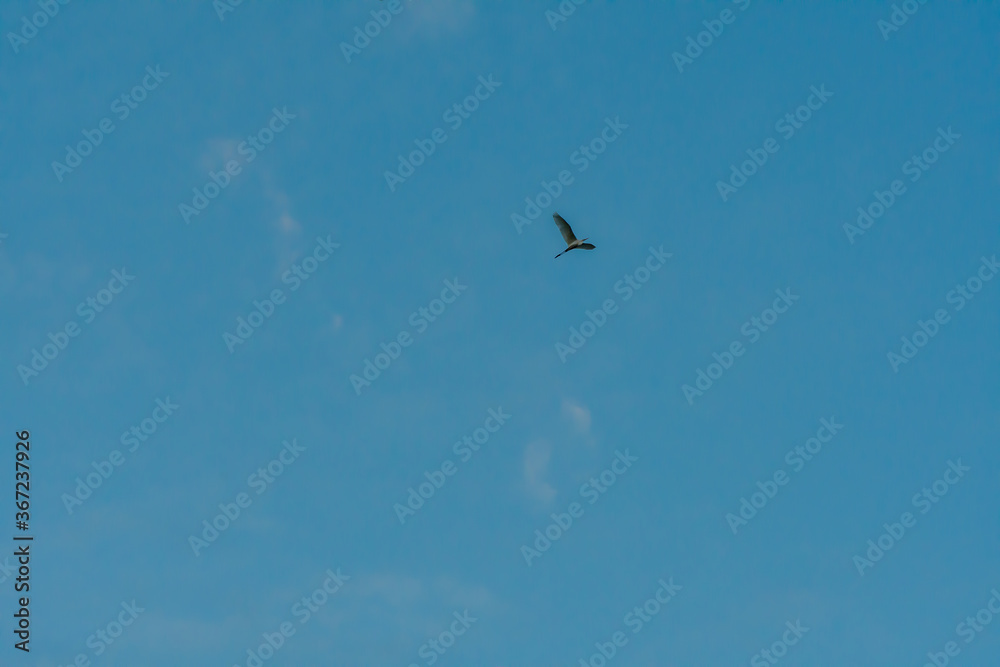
x=569, y=236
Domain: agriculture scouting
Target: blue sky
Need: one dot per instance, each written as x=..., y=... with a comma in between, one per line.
x=312, y=219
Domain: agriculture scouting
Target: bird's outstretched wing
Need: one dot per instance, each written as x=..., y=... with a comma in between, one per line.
x=564, y=228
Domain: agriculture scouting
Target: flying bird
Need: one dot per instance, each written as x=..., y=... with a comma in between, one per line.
x=569, y=236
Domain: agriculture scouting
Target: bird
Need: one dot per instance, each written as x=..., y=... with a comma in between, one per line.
x=569, y=237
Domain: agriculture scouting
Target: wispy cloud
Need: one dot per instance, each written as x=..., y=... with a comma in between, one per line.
x=536, y=465
x=431, y=18
x=218, y=152
x=280, y=201
x=395, y=589
x=287, y=241
x=404, y=591
x=577, y=414
x=288, y=224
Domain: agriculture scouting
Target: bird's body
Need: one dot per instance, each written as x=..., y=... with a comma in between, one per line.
x=567, y=233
